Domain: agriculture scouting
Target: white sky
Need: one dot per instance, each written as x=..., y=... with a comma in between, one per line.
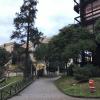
x=52, y=15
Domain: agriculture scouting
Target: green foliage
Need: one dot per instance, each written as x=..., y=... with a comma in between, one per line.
x=86, y=72
x=70, y=87
x=41, y=52
x=70, y=42
x=87, y=44
x=97, y=27
x=17, y=54
x=95, y=70
x=97, y=31
x=55, y=49
x=71, y=51
x=24, y=23
x=25, y=31
x=52, y=66
x=62, y=67
x=4, y=58
x=81, y=73
x=98, y=38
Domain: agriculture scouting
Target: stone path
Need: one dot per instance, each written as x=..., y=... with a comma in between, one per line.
x=43, y=89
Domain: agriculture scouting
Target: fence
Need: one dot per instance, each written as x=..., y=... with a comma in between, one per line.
x=13, y=88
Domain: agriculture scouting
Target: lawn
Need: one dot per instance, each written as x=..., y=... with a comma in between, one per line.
x=70, y=86
x=10, y=80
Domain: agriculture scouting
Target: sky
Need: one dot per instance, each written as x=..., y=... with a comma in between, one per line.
x=52, y=15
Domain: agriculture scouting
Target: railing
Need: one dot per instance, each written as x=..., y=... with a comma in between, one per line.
x=13, y=88
x=77, y=19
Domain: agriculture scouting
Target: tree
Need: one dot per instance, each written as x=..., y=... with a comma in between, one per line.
x=78, y=41
x=41, y=52
x=25, y=30
x=4, y=58
x=17, y=52
x=71, y=43
x=96, y=54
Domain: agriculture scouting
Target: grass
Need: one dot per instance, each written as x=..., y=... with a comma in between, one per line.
x=10, y=80
x=70, y=86
x=6, y=90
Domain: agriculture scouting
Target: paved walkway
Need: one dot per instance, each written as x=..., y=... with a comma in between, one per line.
x=43, y=89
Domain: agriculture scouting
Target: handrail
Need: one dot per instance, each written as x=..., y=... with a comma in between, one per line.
x=76, y=18
x=76, y=2
x=8, y=85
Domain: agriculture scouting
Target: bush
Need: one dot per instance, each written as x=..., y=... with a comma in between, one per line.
x=95, y=70
x=86, y=72
x=81, y=73
x=62, y=68
x=70, y=70
x=53, y=67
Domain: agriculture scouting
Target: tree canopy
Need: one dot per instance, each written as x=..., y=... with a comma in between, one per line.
x=25, y=30
x=70, y=42
x=4, y=58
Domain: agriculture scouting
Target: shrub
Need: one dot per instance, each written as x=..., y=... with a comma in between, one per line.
x=70, y=70
x=81, y=73
x=95, y=70
x=84, y=73
x=53, y=67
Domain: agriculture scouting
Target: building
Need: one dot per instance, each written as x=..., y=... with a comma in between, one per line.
x=8, y=46
x=46, y=40
x=89, y=12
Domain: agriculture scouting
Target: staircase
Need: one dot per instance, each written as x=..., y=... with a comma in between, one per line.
x=77, y=10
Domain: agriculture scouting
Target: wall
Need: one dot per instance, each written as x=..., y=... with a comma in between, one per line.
x=96, y=10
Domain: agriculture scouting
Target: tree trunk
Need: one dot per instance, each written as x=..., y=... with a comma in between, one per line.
x=26, y=72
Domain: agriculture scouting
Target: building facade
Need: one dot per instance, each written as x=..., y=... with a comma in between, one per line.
x=89, y=12
x=8, y=46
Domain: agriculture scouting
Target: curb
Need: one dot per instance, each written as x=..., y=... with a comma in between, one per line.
x=84, y=97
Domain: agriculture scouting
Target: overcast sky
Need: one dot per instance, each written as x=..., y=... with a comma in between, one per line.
x=52, y=15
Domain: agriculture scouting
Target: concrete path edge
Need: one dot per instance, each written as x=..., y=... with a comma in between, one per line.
x=76, y=96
